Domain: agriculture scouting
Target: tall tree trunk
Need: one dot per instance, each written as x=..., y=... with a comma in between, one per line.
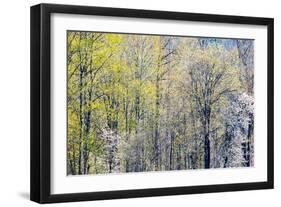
x=88, y=124
x=157, y=116
x=80, y=164
x=126, y=107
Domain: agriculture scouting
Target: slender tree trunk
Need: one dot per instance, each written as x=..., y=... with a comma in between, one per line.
x=80, y=164
x=73, y=168
x=88, y=123
x=126, y=107
x=171, y=152
x=157, y=116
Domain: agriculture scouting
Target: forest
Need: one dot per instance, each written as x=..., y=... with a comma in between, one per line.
x=140, y=103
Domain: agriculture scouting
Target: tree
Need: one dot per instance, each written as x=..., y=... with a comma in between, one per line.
x=212, y=77
x=239, y=120
x=140, y=103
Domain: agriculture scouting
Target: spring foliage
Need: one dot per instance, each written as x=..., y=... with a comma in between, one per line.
x=148, y=103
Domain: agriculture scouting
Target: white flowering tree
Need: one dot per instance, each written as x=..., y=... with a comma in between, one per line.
x=237, y=150
x=111, y=141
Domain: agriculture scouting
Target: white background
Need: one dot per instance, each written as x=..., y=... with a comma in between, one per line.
x=14, y=102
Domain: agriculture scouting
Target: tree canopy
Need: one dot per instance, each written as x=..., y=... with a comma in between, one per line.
x=140, y=103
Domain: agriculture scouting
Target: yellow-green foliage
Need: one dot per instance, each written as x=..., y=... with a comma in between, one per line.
x=134, y=87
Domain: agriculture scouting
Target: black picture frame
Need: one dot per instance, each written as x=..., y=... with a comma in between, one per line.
x=41, y=98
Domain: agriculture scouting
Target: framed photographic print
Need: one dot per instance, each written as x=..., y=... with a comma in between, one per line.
x=132, y=103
